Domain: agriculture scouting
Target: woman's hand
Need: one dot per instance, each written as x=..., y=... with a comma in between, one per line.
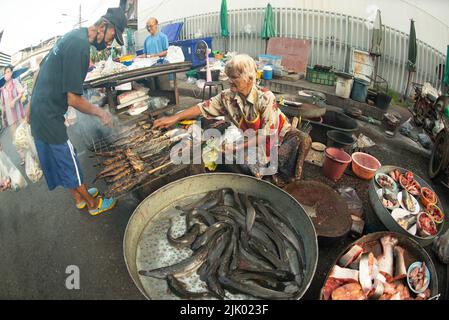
x=165, y=122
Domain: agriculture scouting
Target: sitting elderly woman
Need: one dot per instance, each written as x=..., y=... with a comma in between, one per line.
x=249, y=106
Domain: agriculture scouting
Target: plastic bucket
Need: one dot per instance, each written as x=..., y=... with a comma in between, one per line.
x=382, y=101
x=267, y=73
x=364, y=165
x=335, y=163
x=340, y=140
x=343, y=86
x=359, y=90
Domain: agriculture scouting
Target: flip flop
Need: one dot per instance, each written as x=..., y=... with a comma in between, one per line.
x=93, y=192
x=105, y=204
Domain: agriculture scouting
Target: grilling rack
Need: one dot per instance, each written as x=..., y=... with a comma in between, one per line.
x=156, y=155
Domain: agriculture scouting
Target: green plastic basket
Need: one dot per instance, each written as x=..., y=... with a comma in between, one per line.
x=327, y=78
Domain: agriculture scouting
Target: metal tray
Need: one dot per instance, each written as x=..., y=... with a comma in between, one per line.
x=385, y=215
x=145, y=244
x=413, y=252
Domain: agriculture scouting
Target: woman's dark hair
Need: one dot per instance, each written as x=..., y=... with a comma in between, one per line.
x=10, y=67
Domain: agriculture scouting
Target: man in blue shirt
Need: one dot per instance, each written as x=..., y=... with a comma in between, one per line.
x=156, y=44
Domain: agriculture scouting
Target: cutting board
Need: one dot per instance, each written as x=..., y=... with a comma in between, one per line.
x=294, y=52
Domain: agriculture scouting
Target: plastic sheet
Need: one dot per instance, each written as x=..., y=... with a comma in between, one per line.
x=175, y=54
x=157, y=103
x=355, y=205
x=364, y=142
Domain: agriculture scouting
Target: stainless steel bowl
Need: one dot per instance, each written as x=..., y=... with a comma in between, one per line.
x=150, y=215
x=385, y=215
x=413, y=252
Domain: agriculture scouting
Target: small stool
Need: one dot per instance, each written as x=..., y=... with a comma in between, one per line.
x=211, y=84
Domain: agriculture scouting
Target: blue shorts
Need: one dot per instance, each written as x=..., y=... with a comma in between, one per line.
x=59, y=164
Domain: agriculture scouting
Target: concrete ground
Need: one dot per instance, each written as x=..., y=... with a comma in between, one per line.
x=42, y=233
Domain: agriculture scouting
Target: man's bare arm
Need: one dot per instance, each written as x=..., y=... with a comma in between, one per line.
x=84, y=106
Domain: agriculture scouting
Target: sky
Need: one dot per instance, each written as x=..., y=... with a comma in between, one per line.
x=28, y=22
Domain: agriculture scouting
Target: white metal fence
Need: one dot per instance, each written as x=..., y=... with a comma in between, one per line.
x=331, y=35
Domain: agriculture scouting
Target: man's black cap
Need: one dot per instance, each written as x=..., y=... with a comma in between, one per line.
x=116, y=16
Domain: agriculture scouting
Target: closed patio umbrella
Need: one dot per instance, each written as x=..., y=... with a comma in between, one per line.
x=224, y=31
x=376, y=43
x=412, y=48
x=224, y=19
x=376, y=40
x=412, y=54
x=268, y=28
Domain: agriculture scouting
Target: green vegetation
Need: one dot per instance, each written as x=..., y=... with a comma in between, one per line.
x=397, y=98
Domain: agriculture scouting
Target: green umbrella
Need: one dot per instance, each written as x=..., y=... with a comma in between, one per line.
x=268, y=29
x=224, y=19
x=446, y=69
x=412, y=48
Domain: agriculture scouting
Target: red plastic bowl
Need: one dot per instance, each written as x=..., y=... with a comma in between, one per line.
x=364, y=165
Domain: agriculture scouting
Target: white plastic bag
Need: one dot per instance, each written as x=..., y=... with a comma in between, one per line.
x=174, y=54
x=32, y=167
x=10, y=175
x=20, y=137
x=23, y=139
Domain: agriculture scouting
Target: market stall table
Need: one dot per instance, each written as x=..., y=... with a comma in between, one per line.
x=109, y=82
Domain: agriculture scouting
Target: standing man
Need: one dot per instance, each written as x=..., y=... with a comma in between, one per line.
x=60, y=84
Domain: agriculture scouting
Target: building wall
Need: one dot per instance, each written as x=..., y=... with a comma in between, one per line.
x=5, y=59
x=32, y=57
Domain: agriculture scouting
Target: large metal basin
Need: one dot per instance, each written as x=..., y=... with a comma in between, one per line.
x=150, y=209
x=385, y=215
x=413, y=252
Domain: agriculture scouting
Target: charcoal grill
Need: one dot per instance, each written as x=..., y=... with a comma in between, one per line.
x=160, y=151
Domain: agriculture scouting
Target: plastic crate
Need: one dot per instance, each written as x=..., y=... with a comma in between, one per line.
x=188, y=48
x=327, y=78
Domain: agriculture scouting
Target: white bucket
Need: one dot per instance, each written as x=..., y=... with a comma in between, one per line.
x=343, y=87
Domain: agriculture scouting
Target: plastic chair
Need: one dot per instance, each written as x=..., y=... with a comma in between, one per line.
x=212, y=84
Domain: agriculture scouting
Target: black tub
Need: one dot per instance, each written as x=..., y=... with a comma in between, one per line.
x=332, y=120
x=341, y=140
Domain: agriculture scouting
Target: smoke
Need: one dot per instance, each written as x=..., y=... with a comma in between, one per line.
x=94, y=134
x=91, y=130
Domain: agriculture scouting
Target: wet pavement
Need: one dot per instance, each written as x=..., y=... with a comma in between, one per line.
x=42, y=233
